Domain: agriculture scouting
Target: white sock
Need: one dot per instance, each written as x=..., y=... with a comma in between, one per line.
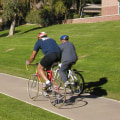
x=47, y=82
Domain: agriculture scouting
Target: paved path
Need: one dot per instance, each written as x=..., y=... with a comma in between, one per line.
x=86, y=107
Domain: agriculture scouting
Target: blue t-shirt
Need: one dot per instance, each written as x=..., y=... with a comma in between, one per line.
x=47, y=45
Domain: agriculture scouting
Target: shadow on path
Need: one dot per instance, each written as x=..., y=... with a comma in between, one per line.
x=75, y=102
x=94, y=90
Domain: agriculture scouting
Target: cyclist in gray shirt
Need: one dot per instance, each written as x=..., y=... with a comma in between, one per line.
x=69, y=57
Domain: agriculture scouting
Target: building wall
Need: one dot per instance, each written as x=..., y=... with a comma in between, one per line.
x=93, y=19
x=109, y=13
x=109, y=7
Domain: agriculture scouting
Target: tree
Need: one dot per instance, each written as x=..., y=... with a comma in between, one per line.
x=56, y=8
x=97, y=1
x=60, y=8
x=81, y=3
x=14, y=9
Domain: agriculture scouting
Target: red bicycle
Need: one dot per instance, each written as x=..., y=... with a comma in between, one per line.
x=55, y=93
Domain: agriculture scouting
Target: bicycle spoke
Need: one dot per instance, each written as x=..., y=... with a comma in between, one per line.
x=33, y=87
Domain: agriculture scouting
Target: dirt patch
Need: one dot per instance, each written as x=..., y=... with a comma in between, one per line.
x=83, y=56
x=9, y=49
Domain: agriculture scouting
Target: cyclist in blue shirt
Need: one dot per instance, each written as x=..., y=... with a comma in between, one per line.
x=52, y=54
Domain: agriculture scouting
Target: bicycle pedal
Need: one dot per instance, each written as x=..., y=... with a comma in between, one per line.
x=44, y=88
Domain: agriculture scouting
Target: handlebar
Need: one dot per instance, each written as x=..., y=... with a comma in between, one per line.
x=33, y=64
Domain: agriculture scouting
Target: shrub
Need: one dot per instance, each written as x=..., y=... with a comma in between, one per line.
x=76, y=15
x=39, y=17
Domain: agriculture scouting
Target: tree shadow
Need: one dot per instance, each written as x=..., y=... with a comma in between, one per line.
x=94, y=88
x=3, y=35
x=32, y=29
x=6, y=34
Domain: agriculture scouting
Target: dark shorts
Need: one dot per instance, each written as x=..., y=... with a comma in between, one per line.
x=49, y=59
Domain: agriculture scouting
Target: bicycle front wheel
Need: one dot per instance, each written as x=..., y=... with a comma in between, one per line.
x=58, y=96
x=78, y=86
x=33, y=87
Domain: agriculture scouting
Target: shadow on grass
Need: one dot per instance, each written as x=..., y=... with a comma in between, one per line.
x=94, y=88
x=3, y=35
x=6, y=34
x=32, y=29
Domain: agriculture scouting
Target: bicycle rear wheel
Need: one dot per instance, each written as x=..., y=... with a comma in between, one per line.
x=58, y=95
x=33, y=87
x=78, y=86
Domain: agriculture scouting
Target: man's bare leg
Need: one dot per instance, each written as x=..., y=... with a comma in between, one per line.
x=41, y=72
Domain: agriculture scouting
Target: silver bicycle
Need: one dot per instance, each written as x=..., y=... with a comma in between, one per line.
x=76, y=80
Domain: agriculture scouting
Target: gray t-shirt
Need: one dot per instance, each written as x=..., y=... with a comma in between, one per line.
x=68, y=52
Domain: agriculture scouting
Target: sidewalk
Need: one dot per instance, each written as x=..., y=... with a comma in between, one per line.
x=85, y=107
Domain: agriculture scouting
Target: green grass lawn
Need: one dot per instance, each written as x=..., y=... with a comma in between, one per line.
x=97, y=46
x=12, y=109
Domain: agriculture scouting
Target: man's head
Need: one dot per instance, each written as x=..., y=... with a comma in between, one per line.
x=42, y=34
x=64, y=37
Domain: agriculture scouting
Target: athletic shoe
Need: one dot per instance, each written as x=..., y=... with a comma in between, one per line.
x=47, y=86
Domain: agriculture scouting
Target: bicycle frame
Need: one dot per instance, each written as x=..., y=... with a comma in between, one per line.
x=49, y=75
x=55, y=72
x=70, y=74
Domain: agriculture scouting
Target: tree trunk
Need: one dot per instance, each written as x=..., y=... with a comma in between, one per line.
x=12, y=28
x=81, y=4
x=80, y=7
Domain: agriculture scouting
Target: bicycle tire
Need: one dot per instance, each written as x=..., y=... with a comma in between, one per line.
x=58, y=95
x=33, y=87
x=78, y=86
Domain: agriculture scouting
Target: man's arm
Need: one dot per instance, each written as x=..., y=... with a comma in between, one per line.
x=32, y=57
